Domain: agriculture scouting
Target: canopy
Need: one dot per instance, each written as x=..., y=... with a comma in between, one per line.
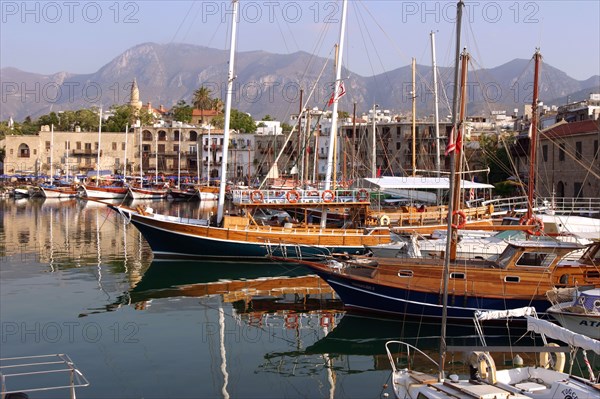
x=418, y=183
x=567, y=336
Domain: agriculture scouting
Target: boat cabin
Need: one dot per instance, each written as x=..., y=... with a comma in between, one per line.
x=539, y=254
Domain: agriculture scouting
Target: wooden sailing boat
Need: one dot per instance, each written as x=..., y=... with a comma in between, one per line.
x=234, y=236
x=51, y=190
x=412, y=285
x=141, y=192
x=98, y=190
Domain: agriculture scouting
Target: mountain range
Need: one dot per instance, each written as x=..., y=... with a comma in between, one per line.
x=269, y=83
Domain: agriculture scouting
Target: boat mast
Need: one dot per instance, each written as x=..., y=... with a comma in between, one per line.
x=336, y=90
x=442, y=358
x=52, y=154
x=230, y=78
x=99, y=147
x=436, y=106
x=334, y=111
x=457, y=176
x=374, y=145
x=125, y=154
x=533, y=139
x=141, y=158
x=414, y=117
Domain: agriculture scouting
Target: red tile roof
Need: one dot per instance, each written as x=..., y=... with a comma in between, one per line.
x=573, y=128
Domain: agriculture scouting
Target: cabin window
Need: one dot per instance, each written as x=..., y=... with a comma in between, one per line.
x=506, y=256
x=592, y=275
x=458, y=276
x=512, y=279
x=541, y=259
x=405, y=273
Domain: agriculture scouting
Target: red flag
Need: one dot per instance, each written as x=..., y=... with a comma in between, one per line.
x=454, y=144
x=379, y=171
x=336, y=96
x=451, y=146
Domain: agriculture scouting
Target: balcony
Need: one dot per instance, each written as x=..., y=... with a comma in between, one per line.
x=85, y=151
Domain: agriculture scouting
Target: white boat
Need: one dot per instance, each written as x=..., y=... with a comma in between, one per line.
x=138, y=193
x=546, y=379
x=105, y=192
x=58, y=192
x=19, y=375
x=581, y=314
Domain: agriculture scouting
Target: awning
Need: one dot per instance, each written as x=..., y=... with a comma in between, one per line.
x=418, y=183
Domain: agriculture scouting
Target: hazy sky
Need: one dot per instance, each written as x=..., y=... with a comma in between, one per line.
x=82, y=36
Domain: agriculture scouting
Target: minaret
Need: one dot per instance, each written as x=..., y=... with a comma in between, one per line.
x=135, y=102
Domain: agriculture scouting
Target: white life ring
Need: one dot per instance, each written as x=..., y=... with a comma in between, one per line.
x=384, y=220
x=485, y=365
x=559, y=359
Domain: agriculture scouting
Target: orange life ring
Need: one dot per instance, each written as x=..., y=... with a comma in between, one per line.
x=362, y=195
x=537, y=231
x=326, y=320
x=328, y=196
x=257, y=196
x=462, y=219
x=291, y=320
x=292, y=196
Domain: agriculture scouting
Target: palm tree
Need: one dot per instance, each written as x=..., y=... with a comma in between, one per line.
x=202, y=98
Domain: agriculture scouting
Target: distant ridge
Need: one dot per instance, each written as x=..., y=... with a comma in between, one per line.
x=269, y=83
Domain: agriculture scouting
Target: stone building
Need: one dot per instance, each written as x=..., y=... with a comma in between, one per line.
x=568, y=159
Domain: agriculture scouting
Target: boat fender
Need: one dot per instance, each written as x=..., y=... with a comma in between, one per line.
x=328, y=196
x=556, y=360
x=462, y=220
x=257, y=196
x=482, y=367
x=384, y=220
x=292, y=196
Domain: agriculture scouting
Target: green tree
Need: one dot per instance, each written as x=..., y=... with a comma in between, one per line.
x=267, y=117
x=286, y=128
x=343, y=114
x=182, y=112
x=494, y=156
x=240, y=121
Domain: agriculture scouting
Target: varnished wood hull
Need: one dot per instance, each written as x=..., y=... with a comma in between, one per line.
x=414, y=287
x=180, y=238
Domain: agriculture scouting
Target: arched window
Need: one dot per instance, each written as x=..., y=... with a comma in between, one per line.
x=176, y=135
x=23, y=151
x=193, y=135
x=146, y=135
x=162, y=135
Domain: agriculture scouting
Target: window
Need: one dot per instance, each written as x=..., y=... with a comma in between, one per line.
x=512, y=279
x=67, y=145
x=78, y=145
x=578, y=190
x=176, y=148
x=114, y=146
x=542, y=259
x=460, y=276
x=48, y=160
x=545, y=152
x=123, y=146
x=88, y=146
x=578, y=149
x=595, y=154
x=97, y=146
x=405, y=273
x=561, y=152
x=47, y=146
x=398, y=145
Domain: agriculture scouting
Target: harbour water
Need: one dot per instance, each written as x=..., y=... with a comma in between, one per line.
x=75, y=278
